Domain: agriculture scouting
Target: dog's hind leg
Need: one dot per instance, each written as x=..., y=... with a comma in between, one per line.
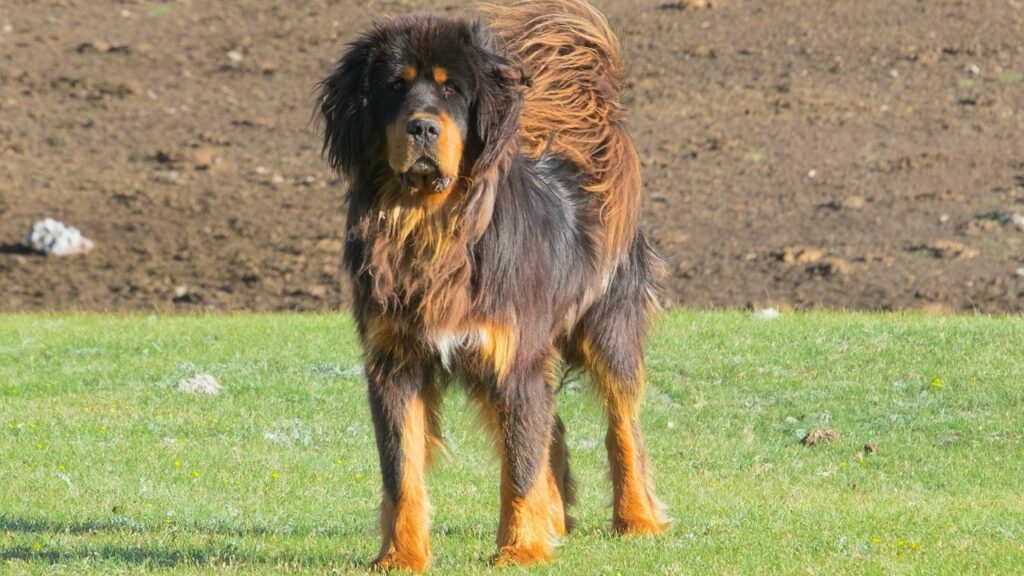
x=608, y=342
x=635, y=509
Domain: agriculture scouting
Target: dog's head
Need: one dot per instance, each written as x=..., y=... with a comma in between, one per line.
x=423, y=100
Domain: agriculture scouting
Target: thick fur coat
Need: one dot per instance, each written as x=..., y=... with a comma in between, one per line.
x=492, y=238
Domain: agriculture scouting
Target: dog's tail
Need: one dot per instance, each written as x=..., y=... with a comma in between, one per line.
x=573, y=104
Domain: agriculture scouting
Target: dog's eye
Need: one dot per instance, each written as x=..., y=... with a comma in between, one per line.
x=449, y=89
x=398, y=85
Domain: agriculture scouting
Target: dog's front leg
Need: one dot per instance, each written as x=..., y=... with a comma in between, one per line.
x=531, y=508
x=400, y=402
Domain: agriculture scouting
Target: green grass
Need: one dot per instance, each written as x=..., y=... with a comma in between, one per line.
x=106, y=469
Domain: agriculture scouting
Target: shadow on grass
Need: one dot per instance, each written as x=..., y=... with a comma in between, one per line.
x=154, y=556
x=35, y=525
x=125, y=554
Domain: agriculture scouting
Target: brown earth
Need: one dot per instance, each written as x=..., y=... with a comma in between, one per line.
x=852, y=154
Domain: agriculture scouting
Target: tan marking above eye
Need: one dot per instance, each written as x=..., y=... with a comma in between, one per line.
x=440, y=75
x=409, y=73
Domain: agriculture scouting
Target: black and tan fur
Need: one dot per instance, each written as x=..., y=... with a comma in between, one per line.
x=492, y=237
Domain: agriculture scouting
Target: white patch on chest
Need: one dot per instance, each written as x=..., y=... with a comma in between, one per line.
x=449, y=343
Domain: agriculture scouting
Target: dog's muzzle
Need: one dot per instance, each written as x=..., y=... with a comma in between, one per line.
x=425, y=153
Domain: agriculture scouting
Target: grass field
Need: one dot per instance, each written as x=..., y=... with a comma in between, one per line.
x=106, y=469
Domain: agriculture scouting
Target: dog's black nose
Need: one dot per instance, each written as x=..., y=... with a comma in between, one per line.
x=424, y=129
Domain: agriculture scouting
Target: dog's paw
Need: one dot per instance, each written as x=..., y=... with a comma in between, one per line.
x=639, y=527
x=650, y=524
x=395, y=561
x=521, y=556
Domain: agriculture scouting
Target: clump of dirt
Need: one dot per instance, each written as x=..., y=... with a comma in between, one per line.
x=951, y=250
x=871, y=448
x=820, y=436
x=800, y=255
x=688, y=5
x=830, y=267
x=178, y=137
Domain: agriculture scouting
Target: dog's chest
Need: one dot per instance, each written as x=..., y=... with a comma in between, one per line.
x=415, y=264
x=452, y=345
x=487, y=346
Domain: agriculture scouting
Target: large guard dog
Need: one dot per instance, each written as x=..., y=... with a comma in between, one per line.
x=493, y=237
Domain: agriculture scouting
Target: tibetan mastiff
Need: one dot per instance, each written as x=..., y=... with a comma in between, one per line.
x=493, y=240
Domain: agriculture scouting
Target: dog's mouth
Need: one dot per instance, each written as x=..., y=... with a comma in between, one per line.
x=424, y=176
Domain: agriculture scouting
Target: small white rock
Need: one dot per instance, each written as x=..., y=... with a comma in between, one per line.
x=944, y=218
x=812, y=174
x=766, y=314
x=8, y=28
x=894, y=73
x=166, y=176
x=1017, y=219
x=201, y=384
x=55, y=238
x=235, y=56
x=1020, y=272
x=974, y=70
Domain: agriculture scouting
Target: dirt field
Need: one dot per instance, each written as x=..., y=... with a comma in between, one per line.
x=850, y=154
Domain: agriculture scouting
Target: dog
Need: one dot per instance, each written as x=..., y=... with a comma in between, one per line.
x=493, y=240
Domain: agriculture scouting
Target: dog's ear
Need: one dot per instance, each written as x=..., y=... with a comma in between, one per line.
x=344, y=105
x=499, y=101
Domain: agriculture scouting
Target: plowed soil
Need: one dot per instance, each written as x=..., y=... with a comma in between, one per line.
x=859, y=155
